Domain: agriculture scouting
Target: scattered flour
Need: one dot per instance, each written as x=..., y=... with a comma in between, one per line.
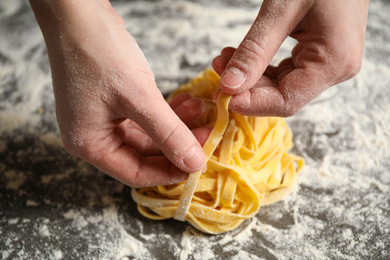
x=69, y=210
x=32, y=203
x=58, y=254
x=44, y=230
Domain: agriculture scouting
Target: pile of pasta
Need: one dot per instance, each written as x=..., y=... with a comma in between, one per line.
x=249, y=165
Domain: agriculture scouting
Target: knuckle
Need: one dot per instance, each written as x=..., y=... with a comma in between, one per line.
x=77, y=146
x=172, y=136
x=174, y=145
x=135, y=178
x=352, y=67
x=289, y=110
x=351, y=62
x=253, y=50
x=70, y=146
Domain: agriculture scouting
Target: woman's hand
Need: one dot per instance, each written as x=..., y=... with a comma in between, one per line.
x=330, y=36
x=109, y=110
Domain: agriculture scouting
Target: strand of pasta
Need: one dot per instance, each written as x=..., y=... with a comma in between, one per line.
x=212, y=142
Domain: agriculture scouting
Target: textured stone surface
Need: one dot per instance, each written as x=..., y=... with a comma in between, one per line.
x=54, y=206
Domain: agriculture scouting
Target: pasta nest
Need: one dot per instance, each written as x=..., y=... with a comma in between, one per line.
x=251, y=166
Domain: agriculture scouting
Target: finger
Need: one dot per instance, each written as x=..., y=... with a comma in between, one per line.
x=288, y=62
x=284, y=66
x=215, y=96
x=179, y=99
x=109, y=7
x=202, y=134
x=189, y=110
x=297, y=49
x=228, y=51
x=219, y=63
x=134, y=136
x=270, y=72
x=274, y=23
x=129, y=167
x=295, y=88
x=165, y=128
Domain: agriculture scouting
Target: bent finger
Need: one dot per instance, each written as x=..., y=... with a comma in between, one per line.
x=134, y=136
x=179, y=99
x=167, y=131
x=274, y=23
x=189, y=110
x=128, y=166
x=295, y=89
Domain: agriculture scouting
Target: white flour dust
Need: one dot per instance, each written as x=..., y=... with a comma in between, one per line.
x=54, y=206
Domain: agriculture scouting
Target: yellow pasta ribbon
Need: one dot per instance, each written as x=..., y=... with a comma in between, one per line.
x=248, y=165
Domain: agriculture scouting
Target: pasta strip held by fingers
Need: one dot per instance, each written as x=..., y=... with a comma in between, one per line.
x=208, y=148
x=248, y=165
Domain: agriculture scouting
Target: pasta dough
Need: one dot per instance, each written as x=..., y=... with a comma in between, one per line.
x=248, y=166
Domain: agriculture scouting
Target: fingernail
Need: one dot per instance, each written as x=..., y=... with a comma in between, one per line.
x=215, y=96
x=194, y=159
x=232, y=77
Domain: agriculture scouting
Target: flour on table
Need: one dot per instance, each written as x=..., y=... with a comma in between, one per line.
x=70, y=210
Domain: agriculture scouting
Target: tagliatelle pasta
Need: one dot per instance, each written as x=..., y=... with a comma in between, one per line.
x=248, y=166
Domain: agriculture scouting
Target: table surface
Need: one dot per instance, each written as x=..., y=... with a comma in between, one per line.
x=54, y=206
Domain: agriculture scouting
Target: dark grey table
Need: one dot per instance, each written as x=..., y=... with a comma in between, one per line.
x=54, y=206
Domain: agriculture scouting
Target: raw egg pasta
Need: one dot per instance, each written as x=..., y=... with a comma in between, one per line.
x=248, y=166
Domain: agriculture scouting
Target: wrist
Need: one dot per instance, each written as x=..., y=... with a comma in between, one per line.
x=63, y=17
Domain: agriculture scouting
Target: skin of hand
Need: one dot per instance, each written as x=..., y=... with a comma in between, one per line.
x=109, y=110
x=330, y=38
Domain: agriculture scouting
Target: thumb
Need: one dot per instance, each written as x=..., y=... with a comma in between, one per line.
x=274, y=23
x=170, y=134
